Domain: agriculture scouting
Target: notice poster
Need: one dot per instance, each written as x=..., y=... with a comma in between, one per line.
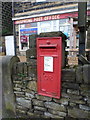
x=23, y=39
x=48, y=64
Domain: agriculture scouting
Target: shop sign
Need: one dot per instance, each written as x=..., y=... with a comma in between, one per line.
x=28, y=31
x=46, y=18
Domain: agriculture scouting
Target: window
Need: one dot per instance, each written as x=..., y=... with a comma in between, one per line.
x=48, y=26
x=44, y=27
x=24, y=31
x=64, y=26
x=55, y=25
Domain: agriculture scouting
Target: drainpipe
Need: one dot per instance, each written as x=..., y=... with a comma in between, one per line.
x=14, y=34
x=82, y=13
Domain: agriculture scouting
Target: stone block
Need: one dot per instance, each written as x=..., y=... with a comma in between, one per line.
x=33, y=115
x=63, y=101
x=28, y=59
x=19, y=93
x=31, y=53
x=77, y=101
x=64, y=90
x=32, y=85
x=30, y=91
x=21, y=111
x=43, y=98
x=21, y=108
x=36, y=112
x=77, y=113
x=20, y=78
x=85, y=90
x=84, y=107
x=86, y=72
x=32, y=71
x=88, y=100
x=79, y=74
x=84, y=87
x=68, y=75
x=25, y=68
x=17, y=89
x=17, y=82
x=38, y=102
x=71, y=96
x=14, y=69
x=72, y=104
x=47, y=114
x=85, y=93
x=27, y=98
x=75, y=92
x=62, y=114
x=32, y=62
x=24, y=89
x=44, y=117
x=70, y=118
x=55, y=106
x=18, y=85
x=23, y=102
x=29, y=95
x=20, y=67
x=26, y=79
x=70, y=85
x=40, y=108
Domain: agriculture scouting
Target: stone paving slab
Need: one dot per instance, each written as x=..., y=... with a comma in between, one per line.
x=0, y=87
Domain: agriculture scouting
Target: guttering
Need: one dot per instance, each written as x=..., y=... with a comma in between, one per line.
x=45, y=14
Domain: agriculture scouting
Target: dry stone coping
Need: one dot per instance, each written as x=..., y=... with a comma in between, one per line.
x=8, y=108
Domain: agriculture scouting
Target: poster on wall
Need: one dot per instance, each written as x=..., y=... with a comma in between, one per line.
x=48, y=64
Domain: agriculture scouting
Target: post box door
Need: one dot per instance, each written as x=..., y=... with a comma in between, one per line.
x=49, y=66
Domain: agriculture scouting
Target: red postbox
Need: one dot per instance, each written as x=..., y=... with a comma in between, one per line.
x=49, y=62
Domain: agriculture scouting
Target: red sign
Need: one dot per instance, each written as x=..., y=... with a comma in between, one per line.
x=49, y=61
x=23, y=39
x=50, y=17
x=38, y=19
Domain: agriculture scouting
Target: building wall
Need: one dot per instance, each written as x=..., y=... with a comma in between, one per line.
x=23, y=8
x=7, y=24
x=29, y=9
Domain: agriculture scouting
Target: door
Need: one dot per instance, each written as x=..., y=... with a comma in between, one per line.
x=9, y=43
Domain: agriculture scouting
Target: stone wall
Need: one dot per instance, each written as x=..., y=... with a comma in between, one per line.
x=75, y=95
